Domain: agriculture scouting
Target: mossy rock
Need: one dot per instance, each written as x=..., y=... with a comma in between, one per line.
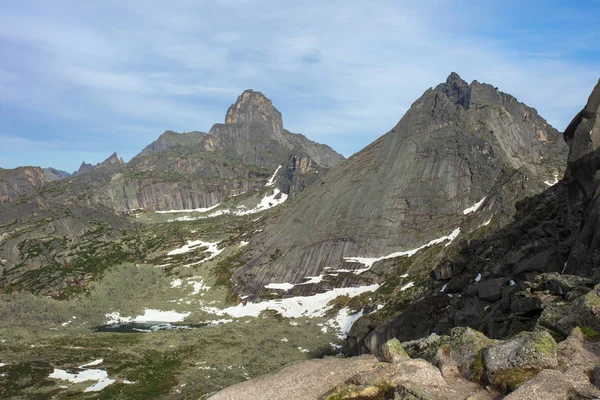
x=464, y=346
x=381, y=391
x=393, y=352
x=520, y=358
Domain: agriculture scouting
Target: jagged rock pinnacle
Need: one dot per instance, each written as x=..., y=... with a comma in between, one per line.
x=251, y=107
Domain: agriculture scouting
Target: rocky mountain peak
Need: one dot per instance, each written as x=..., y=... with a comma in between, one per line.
x=83, y=168
x=456, y=89
x=112, y=160
x=253, y=107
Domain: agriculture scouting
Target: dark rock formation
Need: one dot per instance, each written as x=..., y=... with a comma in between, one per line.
x=458, y=144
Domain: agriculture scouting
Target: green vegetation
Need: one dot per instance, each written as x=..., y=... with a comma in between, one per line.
x=478, y=367
x=590, y=333
x=510, y=380
x=380, y=391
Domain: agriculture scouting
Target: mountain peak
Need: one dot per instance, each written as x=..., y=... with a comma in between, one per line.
x=455, y=79
x=456, y=89
x=251, y=107
x=113, y=159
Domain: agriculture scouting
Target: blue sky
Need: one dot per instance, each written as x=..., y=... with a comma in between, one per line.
x=81, y=79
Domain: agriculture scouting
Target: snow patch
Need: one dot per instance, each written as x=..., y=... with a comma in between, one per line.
x=443, y=288
x=98, y=375
x=554, y=182
x=194, y=244
x=3, y=365
x=197, y=285
x=269, y=201
x=149, y=315
x=93, y=363
x=478, y=278
x=292, y=307
x=271, y=181
x=486, y=223
x=342, y=322
x=475, y=207
x=243, y=243
x=368, y=262
x=176, y=283
x=200, y=210
x=407, y=286
x=280, y=286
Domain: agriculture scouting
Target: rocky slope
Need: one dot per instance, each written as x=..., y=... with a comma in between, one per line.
x=248, y=160
x=20, y=182
x=460, y=148
x=531, y=286
x=462, y=365
x=53, y=174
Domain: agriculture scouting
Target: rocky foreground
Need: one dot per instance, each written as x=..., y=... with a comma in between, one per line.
x=463, y=365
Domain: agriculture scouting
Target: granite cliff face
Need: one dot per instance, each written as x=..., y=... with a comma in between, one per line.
x=19, y=182
x=199, y=170
x=539, y=272
x=458, y=146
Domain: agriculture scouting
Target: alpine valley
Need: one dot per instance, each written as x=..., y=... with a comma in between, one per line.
x=454, y=257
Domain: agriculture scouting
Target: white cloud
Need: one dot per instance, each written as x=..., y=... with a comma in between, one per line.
x=341, y=72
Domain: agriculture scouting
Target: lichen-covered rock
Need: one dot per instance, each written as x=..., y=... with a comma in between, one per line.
x=583, y=311
x=425, y=348
x=561, y=284
x=463, y=347
x=393, y=351
x=516, y=360
x=577, y=358
x=553, y=385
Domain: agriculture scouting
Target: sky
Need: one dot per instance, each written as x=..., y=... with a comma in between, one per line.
x=82, y=79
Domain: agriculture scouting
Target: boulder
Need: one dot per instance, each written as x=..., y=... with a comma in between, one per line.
x=526, y=305
x=426, y=347
x=463, y=348
x=552, y=385
x=583, y=311
x=491, y=290
x=393, y=352
x=520, y=358
x=561, y=284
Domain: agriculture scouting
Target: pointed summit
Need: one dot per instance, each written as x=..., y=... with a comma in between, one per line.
x=456, y=89
x=114, y=159
x=252, y=107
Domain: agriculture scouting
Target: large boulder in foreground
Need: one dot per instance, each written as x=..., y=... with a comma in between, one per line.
x=519, y=359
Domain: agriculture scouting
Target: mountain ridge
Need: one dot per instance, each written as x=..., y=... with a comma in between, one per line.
x=411, y=185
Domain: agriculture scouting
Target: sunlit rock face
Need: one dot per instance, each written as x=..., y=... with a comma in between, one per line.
x=19, y=182
x=457, y=144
